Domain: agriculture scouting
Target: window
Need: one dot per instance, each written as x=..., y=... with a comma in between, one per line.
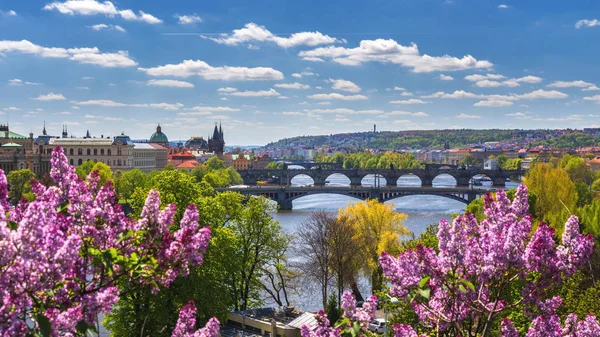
x=95, y=152
x=80, y=161
x=89, y=152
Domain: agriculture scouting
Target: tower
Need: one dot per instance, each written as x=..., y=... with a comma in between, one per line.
x=216, y=144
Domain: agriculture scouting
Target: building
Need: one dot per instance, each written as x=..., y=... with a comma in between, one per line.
x=197, y=144
x=490, y=164
x=216, y=144
x=149, y=157
x=159, y=137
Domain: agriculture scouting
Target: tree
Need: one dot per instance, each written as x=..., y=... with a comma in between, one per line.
x=314, y=249
x=378, y=229
x=468, y=160
x=19, y=184
x=128, y=181
x=62, y=254
x=260, y=241
x=556, y=194
x=87, y=167
x=345, y=249
x=214, y=163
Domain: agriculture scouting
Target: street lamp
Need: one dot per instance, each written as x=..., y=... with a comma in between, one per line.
x=392, y=300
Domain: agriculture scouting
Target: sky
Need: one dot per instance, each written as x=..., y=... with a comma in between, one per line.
x=274, y=69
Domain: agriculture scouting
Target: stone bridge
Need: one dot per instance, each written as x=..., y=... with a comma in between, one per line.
x=284, y=196
x=320, y=176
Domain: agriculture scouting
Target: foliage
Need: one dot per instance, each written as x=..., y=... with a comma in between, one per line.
x=555, y=192
x=126, y=183
x=87, y=167
x=378, y=229
x=62, y=254
x=367, y=160
x=19, y=184
x=461, y=290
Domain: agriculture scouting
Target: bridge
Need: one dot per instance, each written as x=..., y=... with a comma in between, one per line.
x=320, y=176
x=284, y=196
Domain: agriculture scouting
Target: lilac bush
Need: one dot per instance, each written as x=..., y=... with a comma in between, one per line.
x=62, y=254
x=460, y=290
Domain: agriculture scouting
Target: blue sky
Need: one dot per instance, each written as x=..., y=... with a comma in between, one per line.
x=274, y=69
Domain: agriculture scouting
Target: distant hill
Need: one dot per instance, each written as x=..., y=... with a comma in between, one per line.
x=417, y=139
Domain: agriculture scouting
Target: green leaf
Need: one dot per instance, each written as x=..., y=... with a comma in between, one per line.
x=425, y=293
x=12, y=225
x=468, y=284
x=44, y=324
x=424, y=281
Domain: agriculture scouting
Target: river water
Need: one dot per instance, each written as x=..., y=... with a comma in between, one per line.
x=422, y=210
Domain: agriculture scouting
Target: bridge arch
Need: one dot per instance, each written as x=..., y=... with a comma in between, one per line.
x=371, y=179
x=302, y=179
x=444, y=180
x=409, y=179
x=338, y=179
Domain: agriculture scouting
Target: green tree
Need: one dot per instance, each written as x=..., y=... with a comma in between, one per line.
x=19, y=184
x=556, y=194
x=128, y=181
x=87, y=167
x=214, y=163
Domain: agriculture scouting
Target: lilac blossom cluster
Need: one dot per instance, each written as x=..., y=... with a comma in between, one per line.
x=463, y=282
x=62, y=254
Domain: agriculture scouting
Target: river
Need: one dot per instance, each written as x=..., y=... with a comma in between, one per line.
x=422, y=210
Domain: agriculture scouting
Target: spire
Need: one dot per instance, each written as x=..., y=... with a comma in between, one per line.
x=44, y=130
x=216, y=134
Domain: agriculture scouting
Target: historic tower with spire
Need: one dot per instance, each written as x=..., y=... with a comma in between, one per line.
x=216, y=143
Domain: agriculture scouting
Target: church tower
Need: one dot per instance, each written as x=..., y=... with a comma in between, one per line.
x=216, y=144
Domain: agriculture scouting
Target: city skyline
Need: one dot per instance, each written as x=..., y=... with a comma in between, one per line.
x=307, y=68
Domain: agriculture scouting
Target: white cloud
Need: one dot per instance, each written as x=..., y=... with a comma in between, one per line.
x=407, y=113
x=50, y=97
x=466, y=116
x=443, y=77
x=346, y=111
x=585, y=86
x=587, y=23
x=338, y=96
x=110, y=103
x=188, y=19
x=225, y=73
x=295, y=85
x=252, y=33
x=16, y=82
x=503, y=6
x=102, y=26
x=409, y=101
x=493, y=103
x=390, y=51
x=343, y=85
x=81, y=55
x=93, y=7
x=226, y=89
x=170, y=83
x=541, y=93
x=260, y=93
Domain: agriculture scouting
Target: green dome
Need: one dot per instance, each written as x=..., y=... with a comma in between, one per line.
x=159, y=136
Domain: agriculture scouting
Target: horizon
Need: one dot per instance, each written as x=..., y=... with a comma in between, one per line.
x=308, y=68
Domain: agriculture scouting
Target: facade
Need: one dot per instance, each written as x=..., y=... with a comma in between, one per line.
x=216, y=144
x=149, y=157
